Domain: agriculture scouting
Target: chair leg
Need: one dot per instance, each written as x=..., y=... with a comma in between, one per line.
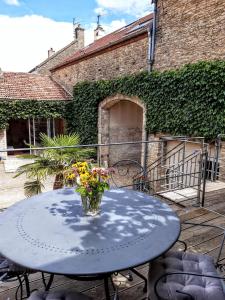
x=142, y=277
x=27, y=284
x=20, y=288
x=49, y=282
x=47, y=285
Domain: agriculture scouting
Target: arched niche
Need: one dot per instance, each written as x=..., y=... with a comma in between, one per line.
x=121, y=119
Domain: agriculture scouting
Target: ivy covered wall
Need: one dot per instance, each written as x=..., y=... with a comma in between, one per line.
x=24, y=109
x=189, y=101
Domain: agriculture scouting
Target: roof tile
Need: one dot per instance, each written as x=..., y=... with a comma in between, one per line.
x=115, y=37
x=27, y=86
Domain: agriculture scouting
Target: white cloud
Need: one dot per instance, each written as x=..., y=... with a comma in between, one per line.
x=114, y=25
x=134, y=7
x=100, y=11
x=25, y=40
x=12, y=2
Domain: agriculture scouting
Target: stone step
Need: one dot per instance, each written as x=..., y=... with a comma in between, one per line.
x=181, y=195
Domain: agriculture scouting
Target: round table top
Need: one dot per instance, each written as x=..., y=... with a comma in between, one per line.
x=49, y=232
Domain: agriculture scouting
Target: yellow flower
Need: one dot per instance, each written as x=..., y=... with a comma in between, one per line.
x=84, y=178
x=70, y=176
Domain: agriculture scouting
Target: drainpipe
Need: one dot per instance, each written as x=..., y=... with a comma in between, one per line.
x=151, y=54
x=152, y=38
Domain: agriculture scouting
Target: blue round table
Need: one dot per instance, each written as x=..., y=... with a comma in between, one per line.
x=49, y=232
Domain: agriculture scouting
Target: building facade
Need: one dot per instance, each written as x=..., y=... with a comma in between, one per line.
x=186, y=32
x=122, y=52
x=189, y=31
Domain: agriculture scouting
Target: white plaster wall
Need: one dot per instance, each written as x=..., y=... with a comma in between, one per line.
x=3, y=142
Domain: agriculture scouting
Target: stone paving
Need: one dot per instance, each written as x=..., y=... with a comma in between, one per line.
x=11, y=189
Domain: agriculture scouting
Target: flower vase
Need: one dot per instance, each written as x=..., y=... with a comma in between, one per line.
x=91, y=204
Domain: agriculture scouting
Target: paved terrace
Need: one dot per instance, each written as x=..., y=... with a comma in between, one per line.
x=203, y=240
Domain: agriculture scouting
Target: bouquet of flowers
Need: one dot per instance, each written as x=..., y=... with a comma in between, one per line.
x=91, y=182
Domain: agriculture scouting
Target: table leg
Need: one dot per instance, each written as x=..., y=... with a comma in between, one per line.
x=106, y=285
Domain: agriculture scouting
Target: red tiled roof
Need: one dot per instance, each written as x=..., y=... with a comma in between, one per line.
x=26, y=86
x=128, y=32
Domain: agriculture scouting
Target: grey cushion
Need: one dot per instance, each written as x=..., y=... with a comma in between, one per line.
x=59, y=295
x=201, y=288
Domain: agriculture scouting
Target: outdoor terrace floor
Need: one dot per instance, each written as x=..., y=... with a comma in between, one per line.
x=203, y=240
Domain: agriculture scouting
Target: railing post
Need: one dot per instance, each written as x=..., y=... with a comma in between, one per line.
x=183, y=160
x=218, y=146
x=204, y=178
x=99, y=156
x=145, y=157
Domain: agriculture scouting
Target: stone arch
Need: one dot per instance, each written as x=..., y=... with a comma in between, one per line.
x=121, y=119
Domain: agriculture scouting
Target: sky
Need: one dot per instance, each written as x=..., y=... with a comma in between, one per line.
x=28, y=28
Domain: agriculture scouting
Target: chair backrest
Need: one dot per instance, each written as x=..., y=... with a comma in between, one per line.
x=222, y=241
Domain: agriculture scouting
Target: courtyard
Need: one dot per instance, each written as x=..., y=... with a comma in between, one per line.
x=112, y=150
x=182, y=201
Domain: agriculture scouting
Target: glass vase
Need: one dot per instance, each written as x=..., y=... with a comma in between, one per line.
x=91, y=204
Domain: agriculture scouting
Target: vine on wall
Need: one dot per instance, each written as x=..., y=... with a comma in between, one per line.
x=24, y=109
x=189, y=101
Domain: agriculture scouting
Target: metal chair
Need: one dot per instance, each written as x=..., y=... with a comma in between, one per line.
x=125, y=172
x=10, y=271
x=186, y=276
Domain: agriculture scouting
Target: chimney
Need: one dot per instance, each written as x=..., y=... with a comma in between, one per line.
x=99, y=31
x=78, y=33
x=50, y=52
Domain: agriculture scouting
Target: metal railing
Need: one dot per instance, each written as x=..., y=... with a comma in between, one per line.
x=144, y=168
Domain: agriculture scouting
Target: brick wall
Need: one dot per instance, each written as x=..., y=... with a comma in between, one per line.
x=153, y=149
x=189, y=31
x=57, y=58
x=114, y=62
x=3, y=144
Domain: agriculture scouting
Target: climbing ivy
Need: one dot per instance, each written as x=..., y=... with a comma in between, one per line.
x=188, y=101
x=24, y=109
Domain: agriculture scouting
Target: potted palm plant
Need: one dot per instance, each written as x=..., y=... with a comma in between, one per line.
x=52, y=162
